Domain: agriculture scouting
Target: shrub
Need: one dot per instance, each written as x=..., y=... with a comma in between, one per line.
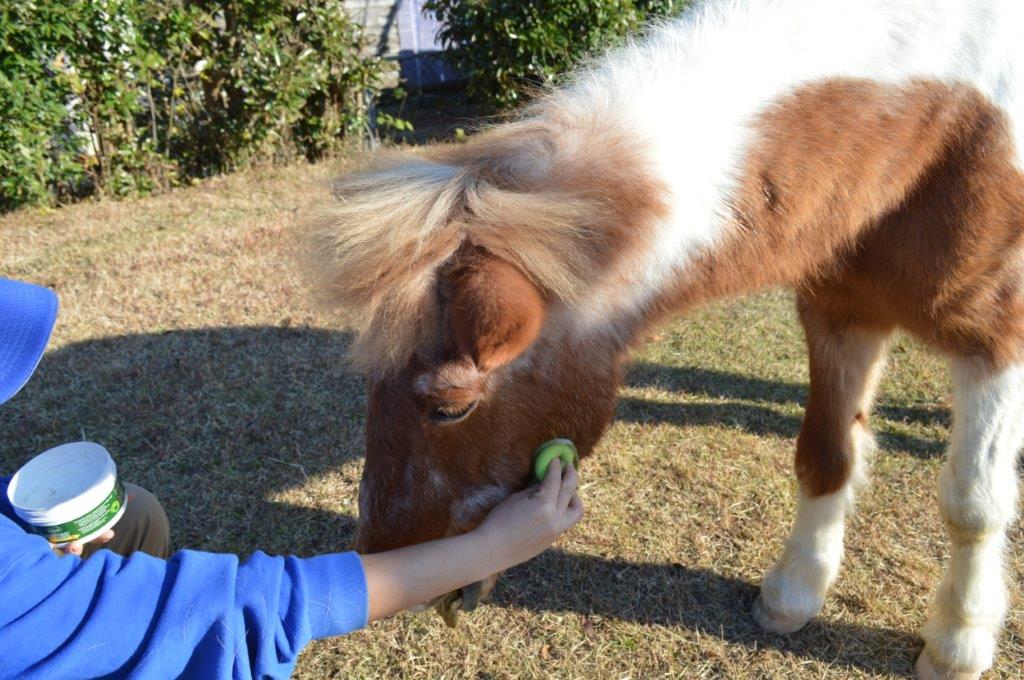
x=121, y=96
x=36, y=149
x=507, y=47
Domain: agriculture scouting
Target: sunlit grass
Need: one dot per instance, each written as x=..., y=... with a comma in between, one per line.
x=187, y=347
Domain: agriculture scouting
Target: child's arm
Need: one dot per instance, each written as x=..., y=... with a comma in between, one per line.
x=196, y=614
x=519, y=528
x=209, y=615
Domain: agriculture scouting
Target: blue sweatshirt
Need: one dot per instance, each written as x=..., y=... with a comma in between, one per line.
x=197, y=615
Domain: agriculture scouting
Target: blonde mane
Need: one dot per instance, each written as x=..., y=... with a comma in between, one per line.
x=375, y=251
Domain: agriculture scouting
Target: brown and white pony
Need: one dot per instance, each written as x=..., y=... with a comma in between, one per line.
x=867, y=154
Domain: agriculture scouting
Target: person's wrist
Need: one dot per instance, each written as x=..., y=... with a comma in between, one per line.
x=491, y=547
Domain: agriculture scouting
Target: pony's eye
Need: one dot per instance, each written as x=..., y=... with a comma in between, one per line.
x=446, y=415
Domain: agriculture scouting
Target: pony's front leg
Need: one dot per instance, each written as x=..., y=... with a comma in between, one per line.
x=977, y=499
x=845, y=362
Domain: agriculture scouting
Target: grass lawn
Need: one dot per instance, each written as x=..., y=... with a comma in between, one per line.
x=187, y=347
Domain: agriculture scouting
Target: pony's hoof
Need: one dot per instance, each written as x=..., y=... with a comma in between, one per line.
x=776, y=623
x=927, y=669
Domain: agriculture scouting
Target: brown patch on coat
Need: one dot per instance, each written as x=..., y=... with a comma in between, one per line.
x=845, y=365
x=895, y=205
x=884, y=206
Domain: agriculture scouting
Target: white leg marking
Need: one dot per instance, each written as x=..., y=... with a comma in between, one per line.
x=977, y=499
x=846, y=366
x=793, y=592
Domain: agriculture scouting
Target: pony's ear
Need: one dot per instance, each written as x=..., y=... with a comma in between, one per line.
x=496, y=311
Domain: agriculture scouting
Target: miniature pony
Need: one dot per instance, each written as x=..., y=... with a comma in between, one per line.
x=868, y=155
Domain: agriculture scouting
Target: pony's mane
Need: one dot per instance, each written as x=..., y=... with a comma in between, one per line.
x=376, y=249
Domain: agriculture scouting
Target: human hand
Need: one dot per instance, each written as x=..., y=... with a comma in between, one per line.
x=526, y=523
x=517, y=529
x=75, y=547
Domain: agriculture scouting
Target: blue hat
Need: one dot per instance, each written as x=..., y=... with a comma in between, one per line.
x=27, y=315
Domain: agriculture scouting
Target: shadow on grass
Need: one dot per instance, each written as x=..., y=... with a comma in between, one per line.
x=211, y=420
x=712, y=383
x=216, y=420
x=758, y=419
x=695, y=599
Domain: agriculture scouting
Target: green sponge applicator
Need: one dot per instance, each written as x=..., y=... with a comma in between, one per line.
x=563, y=449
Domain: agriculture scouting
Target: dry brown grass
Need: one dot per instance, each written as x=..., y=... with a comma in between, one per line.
x=186, y=346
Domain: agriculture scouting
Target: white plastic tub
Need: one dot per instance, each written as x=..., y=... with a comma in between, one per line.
x=69, y=493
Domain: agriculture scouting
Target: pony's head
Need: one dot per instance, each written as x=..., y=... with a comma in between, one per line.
x=463, y=274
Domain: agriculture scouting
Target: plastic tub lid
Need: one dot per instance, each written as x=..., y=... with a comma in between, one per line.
x=62, y=483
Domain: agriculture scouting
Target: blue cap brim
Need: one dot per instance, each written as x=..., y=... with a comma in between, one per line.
x=27, y=315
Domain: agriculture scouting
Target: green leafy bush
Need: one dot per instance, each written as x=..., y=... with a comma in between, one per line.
x=36, y=148
x=123, y=96
x=506, y=47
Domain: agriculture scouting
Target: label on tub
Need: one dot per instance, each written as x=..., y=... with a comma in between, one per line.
x=87, y=523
